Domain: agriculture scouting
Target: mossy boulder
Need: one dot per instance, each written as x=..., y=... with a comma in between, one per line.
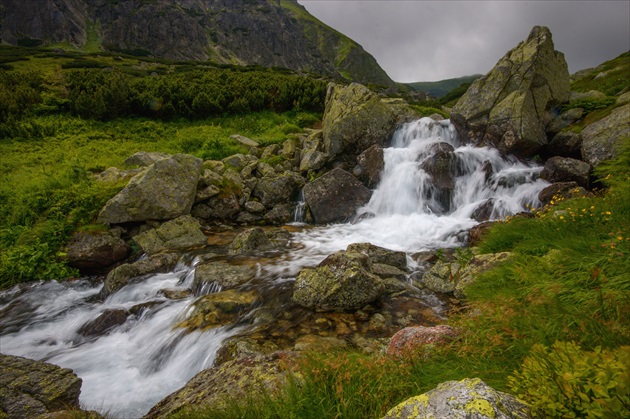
x=342, y=281
x=280, y=189
x=380, y=255
x=508, y=108
x=125, y=273
x=217, y=309
x=166, y=190
x=602, y=140
x=180, y=233
x=31, y=388
x=468, y=398
x=223, y=274
x=93, y=250
x=249, y=241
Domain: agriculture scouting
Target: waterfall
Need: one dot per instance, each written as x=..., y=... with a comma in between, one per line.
x=430, y=189
x=299, y=213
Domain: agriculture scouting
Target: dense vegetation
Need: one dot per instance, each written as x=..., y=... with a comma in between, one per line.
x=61, y=122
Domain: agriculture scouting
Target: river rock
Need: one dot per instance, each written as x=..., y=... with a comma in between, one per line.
x=93, y=250
x=115, y=175
x=469, y=398
x=602, y=140
x=224, y=206
x=217, y=309
x=181, y=233
x=241, y=378
x=380, y=255
x=565, y=169
x=565, y=144
x=508, y=107
x=278, y=215
x=145, y=159
x=342, y=281
x=223, y=274
x=31, y=388
x=273, y=190
x=369, y=166
x=124, y=273
x=166, y=190
x=335, y=196
x=106, y=321
x=249, y=241
x=355, y=119
x=565, y=190
x=412, y=340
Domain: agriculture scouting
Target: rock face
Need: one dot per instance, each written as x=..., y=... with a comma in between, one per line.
x=469, y=398
x=180, y=233
x=565, y=169
x=335, y=196
x=344, y=280
x=165, y=191
x=507, y=108
x=263, y=32
x=355, y=119
x=369, y=166
x=31, y=388
x=601, y=140
x=95, y=250
x=237, y=379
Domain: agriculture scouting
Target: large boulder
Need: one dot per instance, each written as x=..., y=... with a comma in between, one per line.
x=342, y=281
x=180, y=233
x=565, y=169
x=508, y=107
x=93, y=250
x=273, y=190
x=355, y=119
x=241, y=378
x=124, y=273
x=602, y=140
x=469, y=398
x=31, y=388
x=166, y=190
x=335, y=196
x=145, y=158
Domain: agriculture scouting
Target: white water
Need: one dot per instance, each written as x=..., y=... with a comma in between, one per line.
x=140, y=362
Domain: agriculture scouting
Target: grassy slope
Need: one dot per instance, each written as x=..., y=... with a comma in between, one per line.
x=440, y=88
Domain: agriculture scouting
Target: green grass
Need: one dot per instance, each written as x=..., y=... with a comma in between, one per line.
x=610, y=77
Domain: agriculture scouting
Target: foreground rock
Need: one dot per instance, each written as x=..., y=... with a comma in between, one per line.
x=124, y=273
x=180, y=233
x=508, y=107
x=469, y=398
x=342, y=281
x=335, y=196
x=166, y=190
x=242, y=378
x=94, y=250
x=30, y=388
x=565, y=169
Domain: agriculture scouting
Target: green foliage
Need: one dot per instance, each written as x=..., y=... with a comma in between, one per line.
x=566, y=381
x=19, y=92
x=610, y=78
x=591, y=104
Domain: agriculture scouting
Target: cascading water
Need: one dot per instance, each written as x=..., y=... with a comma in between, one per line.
x=430, y=188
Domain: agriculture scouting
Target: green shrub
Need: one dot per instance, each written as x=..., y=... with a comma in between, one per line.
x=565, y=381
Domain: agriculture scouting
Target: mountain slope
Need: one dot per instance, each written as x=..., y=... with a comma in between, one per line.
x=440, y=88
x=263, y=32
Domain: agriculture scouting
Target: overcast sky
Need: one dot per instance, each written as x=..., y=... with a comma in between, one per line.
x=416, y=40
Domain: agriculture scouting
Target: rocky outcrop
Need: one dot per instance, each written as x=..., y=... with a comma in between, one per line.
x=166, y=190
x=508, y=107
x=124, y=273
x=241, y=32
x=469, y=398
x=242, y=378
x=565, y=169
x=31, y=388
x=335, y=196
x=181, y=233
x=342, y=281
x=94, y=250
x=602, y=140
x=355, y=119
x=369, y=166
x=411, y=341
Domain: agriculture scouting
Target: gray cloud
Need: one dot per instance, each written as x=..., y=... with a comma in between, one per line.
x=434, y=40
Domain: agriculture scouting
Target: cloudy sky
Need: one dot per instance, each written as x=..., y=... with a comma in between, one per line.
x=416, y=40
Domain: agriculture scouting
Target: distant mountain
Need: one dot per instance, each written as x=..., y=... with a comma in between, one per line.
x=271, y=33
x=440, y=88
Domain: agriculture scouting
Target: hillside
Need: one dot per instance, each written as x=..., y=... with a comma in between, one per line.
x=269, y=33
x=440, y=88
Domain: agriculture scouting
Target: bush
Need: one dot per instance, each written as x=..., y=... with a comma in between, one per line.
x=565, y=381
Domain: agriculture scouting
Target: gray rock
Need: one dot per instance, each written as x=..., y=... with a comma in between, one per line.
x=565, y=144
x=223, y=274
x=469, y=398
x=244, y=140
x=369, y=166
x=254, y=207
x=215, y=166
x=602, y=140
x=249, y=241
x=105, y=322
x=273, y=190
x=30, y=388
x=565, y=190
x=181, y=233
x=165, y=191
x=270, y=151
x=313, y=160
x=264, y=169
x=565, y=169
x=95, y=250
x=237, y=162
x=508, y=107
x=342, y=281
x=335, y=196
x=379, y=254
x=115, y=175
x=124, y=273
x=145, y=159
x=278, y=215
x=220, y=207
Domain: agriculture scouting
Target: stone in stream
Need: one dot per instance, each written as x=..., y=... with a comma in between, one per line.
x=222, y=273
x=93, y=250
x=468, y=398
x=124, y=273
x=104, y=322
x=217, y=309
x=178, y=234
x=369, y=166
